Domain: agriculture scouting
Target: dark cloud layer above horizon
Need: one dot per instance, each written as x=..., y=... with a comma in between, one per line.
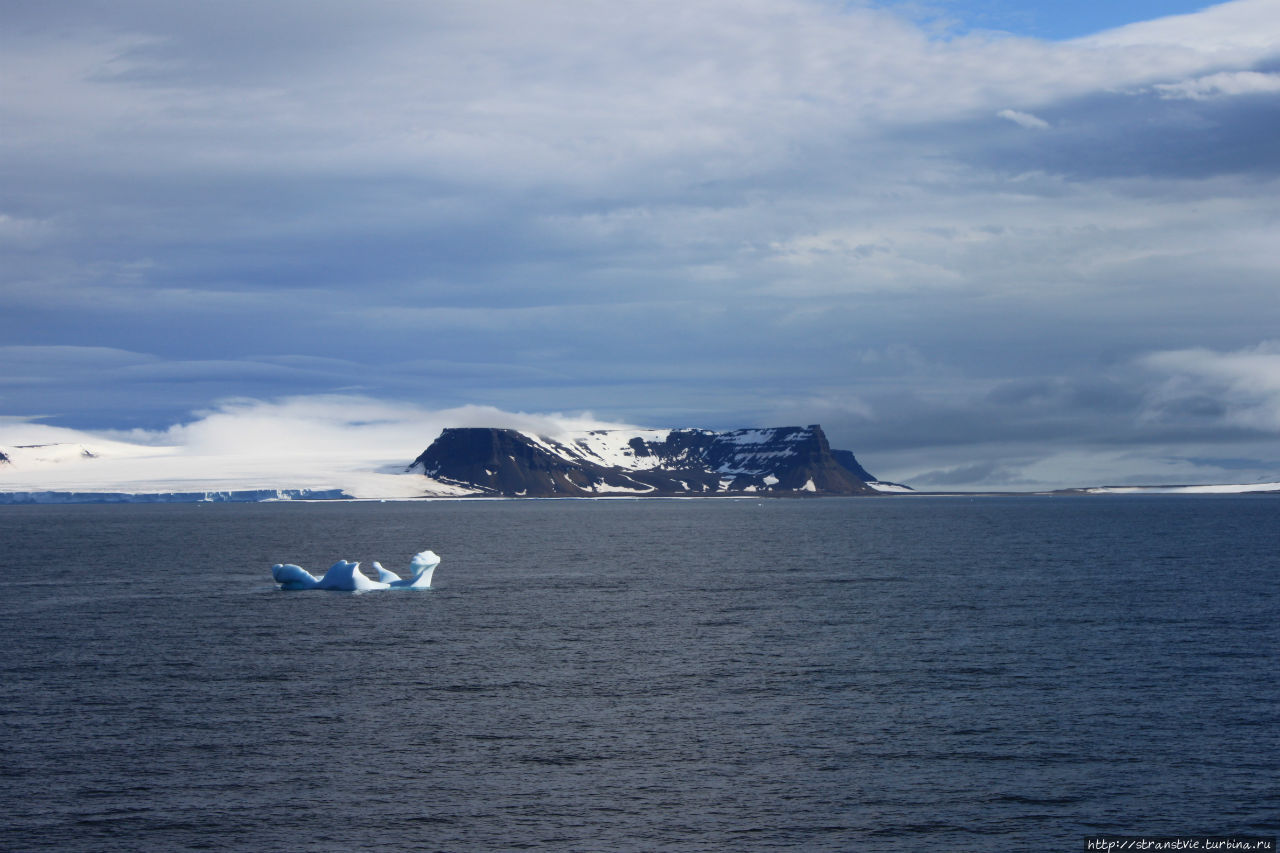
x=977, y=258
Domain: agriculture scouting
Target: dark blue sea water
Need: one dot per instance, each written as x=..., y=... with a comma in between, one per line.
x=988, y=674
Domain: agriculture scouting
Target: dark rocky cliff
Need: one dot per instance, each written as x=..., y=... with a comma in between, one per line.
x=507, y=462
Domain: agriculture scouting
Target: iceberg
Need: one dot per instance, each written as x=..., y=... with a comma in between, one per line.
x=345, y=575
x=290, y=576
x=421, y=567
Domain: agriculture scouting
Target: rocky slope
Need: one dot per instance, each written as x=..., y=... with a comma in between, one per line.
x=510, y=463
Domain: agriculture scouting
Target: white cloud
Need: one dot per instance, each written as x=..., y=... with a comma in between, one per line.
x=1031, y=467
x=23, y=232
x=663, y=208
x=1240, y=388
x=577, y=95
x=329, y=441
x=1223, y=83
x=1234, y=28
x=1027, y=120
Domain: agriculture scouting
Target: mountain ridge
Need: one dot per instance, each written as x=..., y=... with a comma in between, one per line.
x=506, y=462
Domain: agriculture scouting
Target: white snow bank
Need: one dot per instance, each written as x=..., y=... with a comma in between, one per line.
x=896, y=488
x=1222, y=489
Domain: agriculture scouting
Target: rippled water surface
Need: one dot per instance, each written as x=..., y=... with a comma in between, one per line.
x=872, y=674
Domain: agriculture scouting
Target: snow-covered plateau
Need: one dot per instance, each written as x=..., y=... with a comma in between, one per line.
x=107, y=471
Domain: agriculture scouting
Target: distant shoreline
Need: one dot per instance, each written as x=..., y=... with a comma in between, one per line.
x=66, y=498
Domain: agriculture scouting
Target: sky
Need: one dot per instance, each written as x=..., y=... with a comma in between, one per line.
x=987, y=244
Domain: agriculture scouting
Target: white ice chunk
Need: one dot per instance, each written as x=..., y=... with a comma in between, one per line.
x=290, y=576
x=423, y=565
x=346, y=576
x=385, y=575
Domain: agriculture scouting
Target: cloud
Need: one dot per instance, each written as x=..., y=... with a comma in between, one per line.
x=1187, y=416
x=989, y=474
x=1224, y=83
x=1226, y=29
x=325, y=441
x=676, y=214
x=17, y=362
x=657, y=99
x=1027, y=120
x=1239, y=388
x=348, y=427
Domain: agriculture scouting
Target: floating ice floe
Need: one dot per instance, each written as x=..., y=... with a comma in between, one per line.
x=346, y=575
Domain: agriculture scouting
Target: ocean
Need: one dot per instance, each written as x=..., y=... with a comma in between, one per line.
x=985, y=674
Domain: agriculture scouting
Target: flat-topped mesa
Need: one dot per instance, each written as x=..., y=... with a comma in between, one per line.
x=657, y=462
